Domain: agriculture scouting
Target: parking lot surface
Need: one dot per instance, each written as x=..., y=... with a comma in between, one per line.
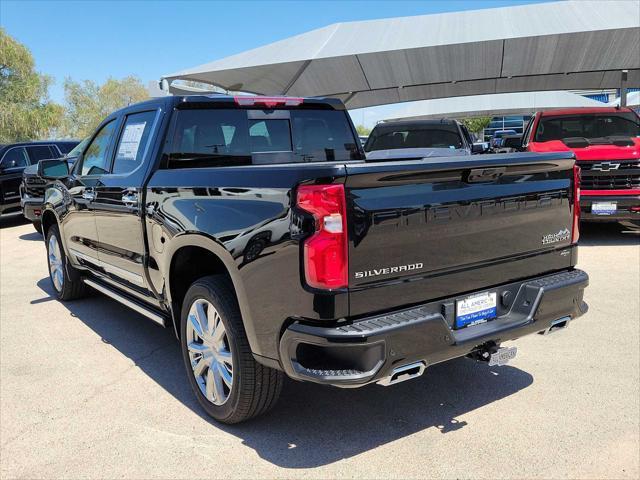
x=90, y=389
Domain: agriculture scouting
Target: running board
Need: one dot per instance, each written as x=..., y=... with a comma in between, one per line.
x=132, y=304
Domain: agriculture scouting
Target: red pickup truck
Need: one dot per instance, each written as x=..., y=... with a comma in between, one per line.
x=606, y=144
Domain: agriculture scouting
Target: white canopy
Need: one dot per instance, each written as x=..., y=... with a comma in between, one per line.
x=549, y=46
x=522, y=103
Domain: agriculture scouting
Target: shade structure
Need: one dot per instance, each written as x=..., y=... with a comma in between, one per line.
x=521, y=103
x=550, y=46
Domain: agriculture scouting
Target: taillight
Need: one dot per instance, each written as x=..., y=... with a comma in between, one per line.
x=326, y=251
x=575, y=234
x=269, y=102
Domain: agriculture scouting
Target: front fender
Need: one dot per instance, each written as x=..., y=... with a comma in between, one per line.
x=54, y=204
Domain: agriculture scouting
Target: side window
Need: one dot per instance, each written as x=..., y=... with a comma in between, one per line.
x=40, y=152
x=133, y=142
x=14, y=158
x=95, y=161
x=65, y=147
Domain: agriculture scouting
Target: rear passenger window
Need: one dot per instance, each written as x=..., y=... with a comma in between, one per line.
x=65, y=147
x=41, y=152
x=227, y=137
x=133, y=142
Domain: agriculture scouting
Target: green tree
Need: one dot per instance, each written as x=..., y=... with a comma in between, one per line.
x=88, y=103
x=26, y=113
x=476, y=124
x=363, y=131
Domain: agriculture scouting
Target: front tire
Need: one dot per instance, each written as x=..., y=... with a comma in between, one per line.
x=228, y=383
x=64, y=278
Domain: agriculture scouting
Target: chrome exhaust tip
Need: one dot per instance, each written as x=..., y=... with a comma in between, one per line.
x=556, y=325
x=403, y=373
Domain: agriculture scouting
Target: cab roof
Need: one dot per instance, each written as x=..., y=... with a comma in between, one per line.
x=582, y=110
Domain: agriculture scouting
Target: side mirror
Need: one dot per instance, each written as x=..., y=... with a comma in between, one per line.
x=478, y=148
x=53, y=169
x=513, y=141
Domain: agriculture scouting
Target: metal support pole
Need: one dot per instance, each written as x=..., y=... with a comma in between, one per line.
x=623, y=88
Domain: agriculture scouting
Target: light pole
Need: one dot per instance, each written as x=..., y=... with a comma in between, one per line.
x=623, y=88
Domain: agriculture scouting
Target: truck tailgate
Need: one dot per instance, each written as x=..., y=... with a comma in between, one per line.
x=421, y=230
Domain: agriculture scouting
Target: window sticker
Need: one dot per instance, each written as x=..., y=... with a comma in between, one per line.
x=130, y=142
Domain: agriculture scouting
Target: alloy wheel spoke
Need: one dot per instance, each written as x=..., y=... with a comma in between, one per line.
x=197, y=348
x=59, y=277
x=199, y=367
x=224, y=374
x=210, y=386
x=195, y=324
x=218, y=389
x=201, y=317
x=219, y=332
x=224, y=356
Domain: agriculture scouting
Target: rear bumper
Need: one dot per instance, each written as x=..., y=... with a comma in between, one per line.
x=624, y=204
x=367, y=350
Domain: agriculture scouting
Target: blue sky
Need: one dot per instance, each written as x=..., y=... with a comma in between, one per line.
x=94, y=39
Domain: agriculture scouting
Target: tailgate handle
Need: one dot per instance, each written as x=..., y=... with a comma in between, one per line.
x=485, y=174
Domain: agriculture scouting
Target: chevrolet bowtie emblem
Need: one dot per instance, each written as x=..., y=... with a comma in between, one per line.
x=605, y=166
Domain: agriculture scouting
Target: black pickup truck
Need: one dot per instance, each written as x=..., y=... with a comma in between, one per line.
x=255, y=228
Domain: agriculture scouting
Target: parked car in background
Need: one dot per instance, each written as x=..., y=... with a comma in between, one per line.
x=419, y=139
x=15, y=157
x=482, y=147
x=497, y=139
x=32, y=187
x=254, y=227
x=363, y=139
x=606, y=144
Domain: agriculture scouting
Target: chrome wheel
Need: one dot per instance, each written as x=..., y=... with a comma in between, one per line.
x=209, y=352
x=56, y=271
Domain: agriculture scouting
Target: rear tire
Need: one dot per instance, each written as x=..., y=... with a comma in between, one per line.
x=228, y=383
x=38, y=227
x=64, y=278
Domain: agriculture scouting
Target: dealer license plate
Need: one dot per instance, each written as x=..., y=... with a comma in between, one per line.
x=475, y=309
x=604, y=208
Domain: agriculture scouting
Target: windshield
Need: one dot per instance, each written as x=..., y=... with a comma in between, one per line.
x=429, y=136
x=588, y=125
x=77, y=150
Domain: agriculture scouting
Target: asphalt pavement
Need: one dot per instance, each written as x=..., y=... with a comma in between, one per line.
x=89, y=389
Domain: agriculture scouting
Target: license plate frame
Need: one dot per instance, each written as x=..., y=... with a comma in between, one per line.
x=604, y=208
x=476, y=309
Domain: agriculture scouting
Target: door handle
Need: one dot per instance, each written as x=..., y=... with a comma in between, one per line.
x=130, y=199
x=89, y=194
